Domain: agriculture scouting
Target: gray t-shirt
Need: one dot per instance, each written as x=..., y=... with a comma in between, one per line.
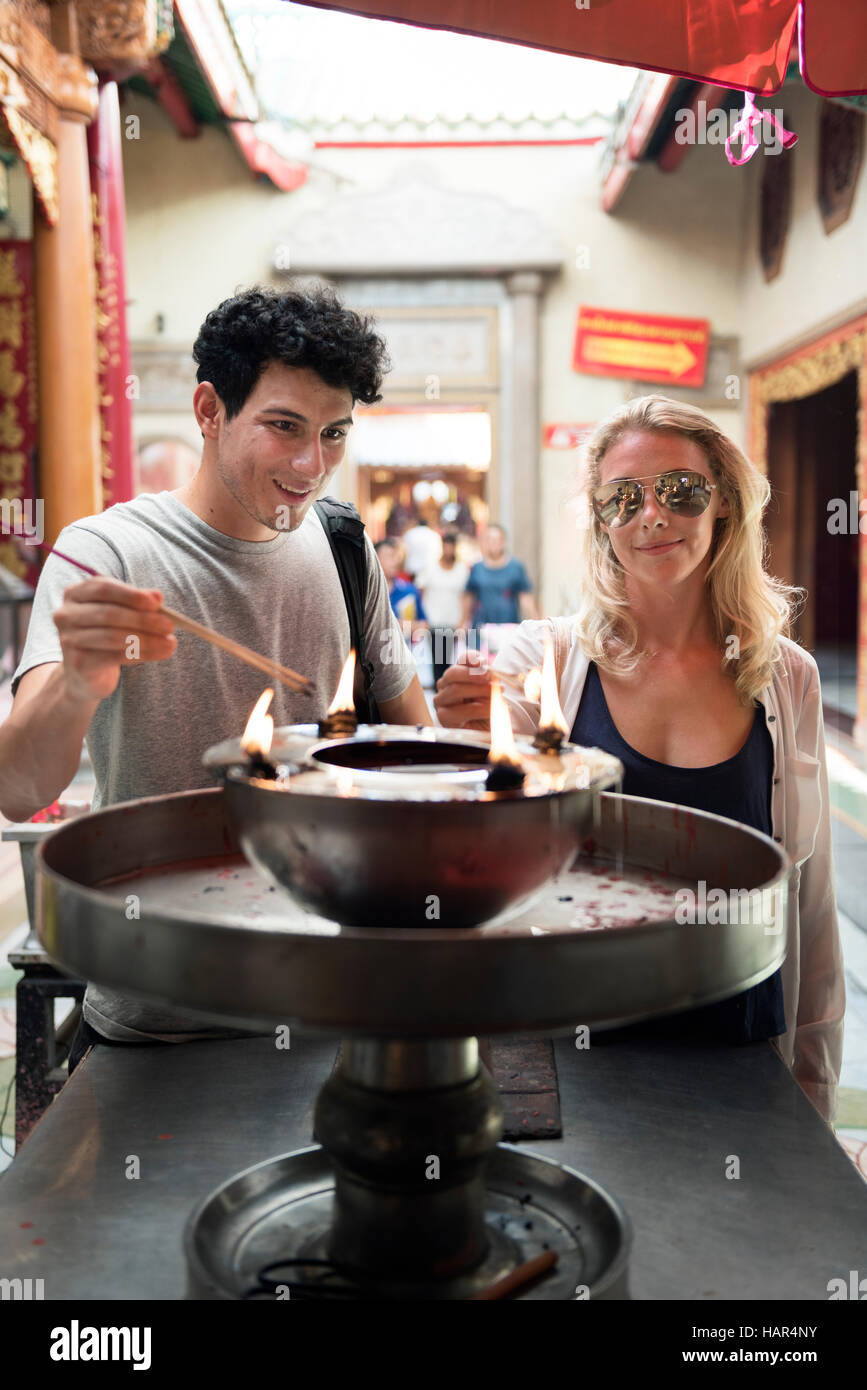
x=281, y=597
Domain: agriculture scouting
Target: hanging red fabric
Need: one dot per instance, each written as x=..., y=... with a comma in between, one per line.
x=733, y=43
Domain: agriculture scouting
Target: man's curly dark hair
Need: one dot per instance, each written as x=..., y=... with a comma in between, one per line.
x=301, y=328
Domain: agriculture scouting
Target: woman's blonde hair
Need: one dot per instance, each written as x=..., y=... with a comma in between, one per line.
x=747, y=603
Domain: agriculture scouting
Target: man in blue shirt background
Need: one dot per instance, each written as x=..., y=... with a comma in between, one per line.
x=498, y=589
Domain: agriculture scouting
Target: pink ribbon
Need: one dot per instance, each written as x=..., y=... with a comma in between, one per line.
x=746, y=131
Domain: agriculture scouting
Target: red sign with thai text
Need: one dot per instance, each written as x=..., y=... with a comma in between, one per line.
x=643, y=347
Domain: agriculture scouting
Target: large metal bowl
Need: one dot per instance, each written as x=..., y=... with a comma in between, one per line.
x=208, y=937
x=395, y=827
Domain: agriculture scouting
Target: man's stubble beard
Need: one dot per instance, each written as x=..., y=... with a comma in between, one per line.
x=236, y=490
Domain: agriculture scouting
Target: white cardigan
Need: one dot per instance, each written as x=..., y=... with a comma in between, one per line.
x=814, y=993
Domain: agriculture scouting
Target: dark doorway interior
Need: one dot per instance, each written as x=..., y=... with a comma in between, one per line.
x=812, y=449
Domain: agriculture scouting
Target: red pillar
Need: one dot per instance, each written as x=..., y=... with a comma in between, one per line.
x=109, y=228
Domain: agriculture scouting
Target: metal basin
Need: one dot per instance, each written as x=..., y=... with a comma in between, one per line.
x=395, y=828
x=210, y=937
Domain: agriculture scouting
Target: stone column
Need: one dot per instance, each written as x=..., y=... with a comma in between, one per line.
x=525, y=287
x=65, y=301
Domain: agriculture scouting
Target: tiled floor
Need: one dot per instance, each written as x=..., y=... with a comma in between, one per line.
x=852, y=1096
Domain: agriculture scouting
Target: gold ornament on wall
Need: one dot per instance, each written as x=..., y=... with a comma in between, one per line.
x=40, y=156
x=804, y=376
x=122, y=31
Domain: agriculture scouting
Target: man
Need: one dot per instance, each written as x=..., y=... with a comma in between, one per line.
x=498, y=589
x=442, y=586
x=238, y=548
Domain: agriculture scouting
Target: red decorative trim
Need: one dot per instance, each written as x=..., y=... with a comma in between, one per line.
x=445, y=144
x=648, y=115
x=109, y=241
x=172, y=98
x=615, y=185
x=638, y=137
x=264, y=159
x=673, y=153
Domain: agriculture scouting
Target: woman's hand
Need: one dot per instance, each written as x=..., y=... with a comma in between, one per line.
x=463, y=698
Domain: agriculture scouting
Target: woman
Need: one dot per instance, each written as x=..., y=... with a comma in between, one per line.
x=679, y=666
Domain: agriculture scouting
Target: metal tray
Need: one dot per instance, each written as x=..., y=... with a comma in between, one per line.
x=281, y=1209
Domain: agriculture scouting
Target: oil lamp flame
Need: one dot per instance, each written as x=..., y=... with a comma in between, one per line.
x=502, y=739
x=341, y=721
x=550, y=713
x=259, y=732
x=506, y=772
x=533, y=685
x=343, y=699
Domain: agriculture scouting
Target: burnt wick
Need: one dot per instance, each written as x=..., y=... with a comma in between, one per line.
x=548, y=739
x=342, y=724
x=504, y=777
x=259, y=766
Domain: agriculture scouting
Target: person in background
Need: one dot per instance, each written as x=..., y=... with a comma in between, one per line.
x=398, y=519
x=498, y=589
x=406, y=601
x=423, y=548
x=442, y=586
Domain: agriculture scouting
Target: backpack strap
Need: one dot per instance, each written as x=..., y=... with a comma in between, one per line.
x=345, y=531
x=561, y=629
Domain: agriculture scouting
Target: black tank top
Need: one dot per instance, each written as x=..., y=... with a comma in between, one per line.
x=739, y=788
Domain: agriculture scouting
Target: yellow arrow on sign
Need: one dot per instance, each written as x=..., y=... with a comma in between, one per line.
x=674, y=358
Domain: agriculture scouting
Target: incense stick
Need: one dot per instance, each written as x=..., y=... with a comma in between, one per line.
x=284, y=674
x=516, y=682
x=531, y=1269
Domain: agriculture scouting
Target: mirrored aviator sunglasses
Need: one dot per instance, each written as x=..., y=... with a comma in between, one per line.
x=618, y=501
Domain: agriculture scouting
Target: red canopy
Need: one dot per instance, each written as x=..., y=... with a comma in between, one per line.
x=733, y=43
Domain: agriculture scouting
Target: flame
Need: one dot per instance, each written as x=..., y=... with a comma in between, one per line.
x=260, y=727
x=502, y=740
x=533, y=685
x=550, y=713
x=343, y=699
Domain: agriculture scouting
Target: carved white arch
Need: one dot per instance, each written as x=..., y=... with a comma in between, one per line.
x=416, y=225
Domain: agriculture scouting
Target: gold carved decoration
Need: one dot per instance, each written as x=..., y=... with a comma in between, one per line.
x=37, y=13
x=11, y=91
x=10, y=281
x=40, y=156
x=803, y=376
x=77, y=89
x=115, y=31
x=26, y=53
x=815, y=368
